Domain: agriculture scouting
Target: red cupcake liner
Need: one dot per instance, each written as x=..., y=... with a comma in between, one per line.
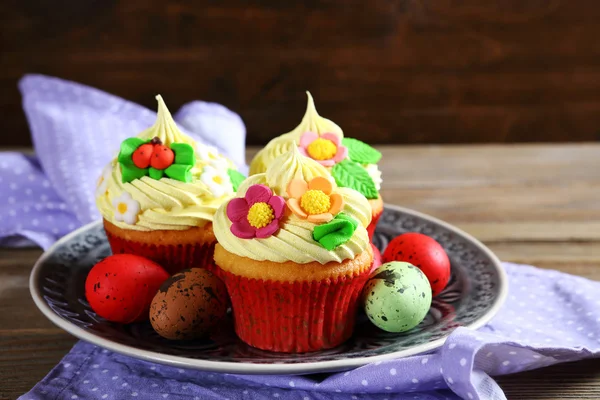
x=294, y=317
x=173, y=258
x=376, y=258
x=373, y=224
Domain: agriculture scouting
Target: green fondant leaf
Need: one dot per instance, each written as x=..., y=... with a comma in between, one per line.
x=128, y=147
x=352, y=175
x=236, y=178
x=131, y=172
x=184, y=153
x=361, y=152
x=156, y=173
x=179, y=172
x=336, y=232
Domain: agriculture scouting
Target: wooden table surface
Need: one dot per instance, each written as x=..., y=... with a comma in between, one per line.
x=534, y=204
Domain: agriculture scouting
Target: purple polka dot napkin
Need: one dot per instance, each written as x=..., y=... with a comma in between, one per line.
x=76, y=131
x=548, y=318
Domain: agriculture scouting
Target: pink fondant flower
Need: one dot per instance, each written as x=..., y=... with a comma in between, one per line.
x=325, y=149
x=257, y=214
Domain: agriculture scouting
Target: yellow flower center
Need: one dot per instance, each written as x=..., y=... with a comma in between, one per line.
x=122, y=208
x=217, y=179
x=315, y=202
x=321, y=149
x=260, y=215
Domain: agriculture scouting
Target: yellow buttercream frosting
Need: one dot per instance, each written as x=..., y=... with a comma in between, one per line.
x=292, y=165
x=169, y=204
x=294, y=241
x=311, y=122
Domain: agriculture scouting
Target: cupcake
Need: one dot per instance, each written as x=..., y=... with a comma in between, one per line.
x=352, y=163
x=159, y=195
x=294, y=253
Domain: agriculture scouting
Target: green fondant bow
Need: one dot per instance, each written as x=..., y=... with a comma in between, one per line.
x=336, y=232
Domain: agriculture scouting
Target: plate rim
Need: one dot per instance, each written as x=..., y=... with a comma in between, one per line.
x=274, y=368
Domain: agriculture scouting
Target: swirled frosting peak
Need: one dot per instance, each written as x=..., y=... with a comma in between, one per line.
x=292, y=165
x=294, y=241
x=323, y=140
x=148, y=203
x=165, y=127
x=311, y=122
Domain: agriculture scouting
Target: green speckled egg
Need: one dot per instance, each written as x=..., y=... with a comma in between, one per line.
x=397, y=296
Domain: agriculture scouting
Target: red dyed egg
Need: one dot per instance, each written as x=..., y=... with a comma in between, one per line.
x=376, y=258
x=162, y=157
x=423, y=252
x=141, y=157
x=121, y=287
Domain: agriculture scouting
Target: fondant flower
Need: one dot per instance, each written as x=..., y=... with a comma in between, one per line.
x=257, y=214
x=314, y=200
x=103, y=181
x=220, y=163
x=211, y=155
x=218, y=181
x=126, y=208
x=325, y=149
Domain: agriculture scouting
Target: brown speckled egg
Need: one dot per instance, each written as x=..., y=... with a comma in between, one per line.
x=188, y=305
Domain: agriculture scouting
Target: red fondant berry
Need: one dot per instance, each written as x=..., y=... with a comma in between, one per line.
x=141, y=157
x=162, y=157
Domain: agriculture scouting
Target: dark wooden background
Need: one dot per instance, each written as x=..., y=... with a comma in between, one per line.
x=418, y=71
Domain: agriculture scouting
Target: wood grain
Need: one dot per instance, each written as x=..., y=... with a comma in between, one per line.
x=388, y=71
x=533, y=204
x=30, y=346
x=580, y=380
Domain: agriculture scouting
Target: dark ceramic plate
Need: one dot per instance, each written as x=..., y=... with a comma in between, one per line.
x=476, y=291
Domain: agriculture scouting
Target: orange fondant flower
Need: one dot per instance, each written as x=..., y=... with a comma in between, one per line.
x=314, y=200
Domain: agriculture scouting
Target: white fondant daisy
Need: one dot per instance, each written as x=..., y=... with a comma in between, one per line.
x=103, y=181
x=204, y=152
x=220, y=163
x=217, y=180
x=126, y=208
x=211, y=155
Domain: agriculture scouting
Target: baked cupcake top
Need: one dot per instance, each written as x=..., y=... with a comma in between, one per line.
x=294, y=212
x=163, y=180
x=351, y=162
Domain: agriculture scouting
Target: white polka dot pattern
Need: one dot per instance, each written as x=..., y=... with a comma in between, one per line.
x=549, y=317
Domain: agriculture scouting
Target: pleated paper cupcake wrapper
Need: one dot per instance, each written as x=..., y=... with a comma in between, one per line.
x=373, y=224
x=294, y=317
x=376, y=258
x=173, y=258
